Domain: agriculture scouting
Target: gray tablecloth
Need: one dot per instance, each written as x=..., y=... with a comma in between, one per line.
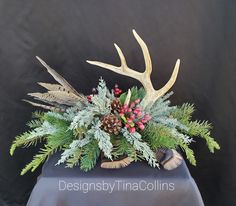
x=137, y=184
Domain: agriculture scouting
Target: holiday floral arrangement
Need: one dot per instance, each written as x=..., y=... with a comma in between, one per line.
x=120, y=127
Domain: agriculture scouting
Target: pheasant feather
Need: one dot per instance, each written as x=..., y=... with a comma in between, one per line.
x=59, y=78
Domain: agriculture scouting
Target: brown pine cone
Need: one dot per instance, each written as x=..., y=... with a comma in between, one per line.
x=116, y=105
x=111, y=124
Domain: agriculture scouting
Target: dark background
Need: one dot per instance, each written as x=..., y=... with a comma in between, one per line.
x=202, y=33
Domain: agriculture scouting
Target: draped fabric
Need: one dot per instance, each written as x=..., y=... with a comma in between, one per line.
x=67, y=33
x=149, y=186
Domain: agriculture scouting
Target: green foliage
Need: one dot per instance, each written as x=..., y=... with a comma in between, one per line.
x=60, y=138
x=74, y=159
x=161, y=113
x=123, y=148
x=31, y=137
x=195, y=128
x=159, y=136
x=188, y=152
x=90, y=155
x=102, y=137
x=39, y=159
x=37, y=114
x=184, y=112
x=34, y=123
x=22, y=140
x=202, y=129
x=56, y=119
x=141, y=146
x=83, y=118
x=74, y=148
x=135, y=94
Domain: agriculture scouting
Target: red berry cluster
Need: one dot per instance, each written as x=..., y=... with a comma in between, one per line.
x=117, y=91
x=133, y=116
x=89, y=97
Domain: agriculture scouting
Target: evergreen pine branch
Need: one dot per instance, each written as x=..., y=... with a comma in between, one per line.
x=74, y=159
x=189, y=153
x=56, y=119
x=142, y=147
x=161, y=108
x=101, y=88
x=62, y=137
x=123, y=148
x=37, y=114
x=73, y=148
x=170, y=122
x=23, y=140
x=184, y=113
x=34, y=123
x=102, y=100
x=159, y=136
x=202, y=129
x=57, y=116
x=89, y=156
x=31, y=137
x=195, y=128
x=103, y=138
x=71, y=112
x=39, y=159
x=83, y=118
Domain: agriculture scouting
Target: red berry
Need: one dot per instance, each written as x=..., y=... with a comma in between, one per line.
x=89, y=98
x=147, y=117
x=129, y=121
x=125, y=106
x=144, y=121
x=132, y=105
x=127, y=125
x=132, y=116
x=141, y=126
x=137, y=101
x=139, y=114
x=129, y=110
x=132, y=130
x=138, y=109
x=135, y=111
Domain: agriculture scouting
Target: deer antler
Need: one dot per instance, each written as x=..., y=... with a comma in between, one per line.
x=144, y=77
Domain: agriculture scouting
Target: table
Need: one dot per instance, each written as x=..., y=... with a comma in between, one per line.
x=138, y=184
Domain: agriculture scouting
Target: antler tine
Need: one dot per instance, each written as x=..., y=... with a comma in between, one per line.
x=127, y=71
x=105, y=66
x=123, y=69
x=122, y=57
x=146, y=54
x=171, y=81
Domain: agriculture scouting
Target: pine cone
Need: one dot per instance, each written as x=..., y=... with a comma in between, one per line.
x=111, y=124
x=116, y=105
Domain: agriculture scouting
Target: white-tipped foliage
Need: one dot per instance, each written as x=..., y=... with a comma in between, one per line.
x=102, y=137
x=72, y=148
x=140, y=146
x=45, y=129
